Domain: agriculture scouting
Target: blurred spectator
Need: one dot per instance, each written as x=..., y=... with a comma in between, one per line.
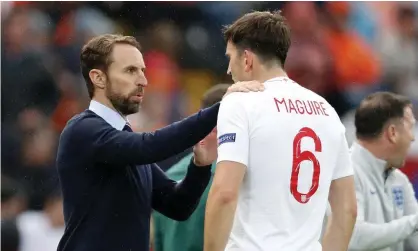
x=42, y=230
x=10, y=236
x=13, y=198
x=163, y=74
x=399, y=53
x=362, y=20
x=78, y=23
x=35, y=167
x=74, y=99
x=308, y=61
x=356, y=66
x=36, y=170
x=26, y=82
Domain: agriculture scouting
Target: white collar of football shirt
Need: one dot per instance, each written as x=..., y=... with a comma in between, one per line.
x=276, y=79
x=109, y=115
x=375, y=166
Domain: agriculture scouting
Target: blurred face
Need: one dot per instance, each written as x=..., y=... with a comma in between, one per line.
x=16, y=30
x=240, y=63
x=125, y=79
x=13, y=207
x=402, y=137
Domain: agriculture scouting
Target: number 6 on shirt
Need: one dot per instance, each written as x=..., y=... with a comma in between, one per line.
x=298, y=157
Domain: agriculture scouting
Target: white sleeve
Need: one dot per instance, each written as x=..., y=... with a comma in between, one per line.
x=410, y=205
x=372, y=236
x=410, y=208
x=233, y=131
x=412, y=242
x=344, y=167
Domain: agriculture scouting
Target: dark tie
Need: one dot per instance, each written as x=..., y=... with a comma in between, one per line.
x=127, y=128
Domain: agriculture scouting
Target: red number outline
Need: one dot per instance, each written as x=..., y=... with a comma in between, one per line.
x=298, y=157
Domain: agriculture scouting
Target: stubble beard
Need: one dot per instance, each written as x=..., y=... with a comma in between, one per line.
x=122, y=103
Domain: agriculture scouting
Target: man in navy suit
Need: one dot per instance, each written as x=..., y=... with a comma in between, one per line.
x=107, y=175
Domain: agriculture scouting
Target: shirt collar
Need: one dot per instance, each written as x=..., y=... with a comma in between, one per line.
x=109, y=115
x=375, y=165
x=273, y=81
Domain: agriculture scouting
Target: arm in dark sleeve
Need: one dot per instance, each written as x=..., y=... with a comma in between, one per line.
x=179, y=200
x=108, y=145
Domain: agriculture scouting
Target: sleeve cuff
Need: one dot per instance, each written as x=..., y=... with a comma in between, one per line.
x=212, y=112
x=201, y=171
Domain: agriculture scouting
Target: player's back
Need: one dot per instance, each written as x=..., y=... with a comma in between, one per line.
x=294, y=139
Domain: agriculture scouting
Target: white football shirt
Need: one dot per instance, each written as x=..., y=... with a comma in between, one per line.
x=293, y=144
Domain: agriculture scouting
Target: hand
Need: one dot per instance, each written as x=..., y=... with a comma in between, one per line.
x=415, y=220
x=205, y=152
x=245, y=86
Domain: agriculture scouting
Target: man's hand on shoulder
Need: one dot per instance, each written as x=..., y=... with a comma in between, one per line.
x=205, y=152
x=245, y=86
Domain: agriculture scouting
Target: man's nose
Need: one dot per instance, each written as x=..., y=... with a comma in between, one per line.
x=142, y=82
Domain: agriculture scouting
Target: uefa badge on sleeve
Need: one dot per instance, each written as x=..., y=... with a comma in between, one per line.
x=228, y=137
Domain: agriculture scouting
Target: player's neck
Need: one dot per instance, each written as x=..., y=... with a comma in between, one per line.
x=266, y=74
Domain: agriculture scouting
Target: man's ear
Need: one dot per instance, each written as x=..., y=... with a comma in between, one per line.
x=248, y=60
x=98, y=78
x=392, y=134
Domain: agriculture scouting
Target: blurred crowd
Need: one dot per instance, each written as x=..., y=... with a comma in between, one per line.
x=341, y=50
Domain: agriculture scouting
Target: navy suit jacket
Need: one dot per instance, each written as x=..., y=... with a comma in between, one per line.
x=110, y=184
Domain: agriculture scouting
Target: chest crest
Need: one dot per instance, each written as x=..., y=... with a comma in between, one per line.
x=398, y=196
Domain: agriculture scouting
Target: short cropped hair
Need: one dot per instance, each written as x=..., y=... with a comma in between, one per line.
x=376, y=110
x=265, y=33
x=214, y=95
x=96, y=53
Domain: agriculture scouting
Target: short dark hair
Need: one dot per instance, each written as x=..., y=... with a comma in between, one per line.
x=376, y=110
x=95, y=54
x=214, y=95
x=265, y=33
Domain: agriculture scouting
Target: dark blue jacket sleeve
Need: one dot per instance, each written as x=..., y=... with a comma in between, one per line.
x=110, y=146
x=178, y=200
